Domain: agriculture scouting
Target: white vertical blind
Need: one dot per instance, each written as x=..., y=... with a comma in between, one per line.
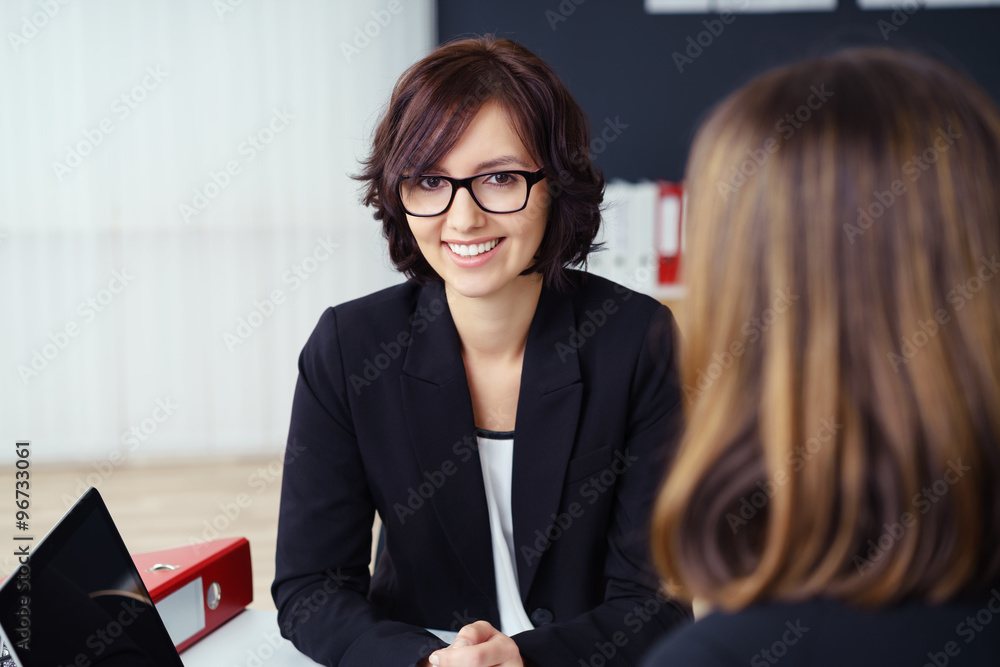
x=120, y=307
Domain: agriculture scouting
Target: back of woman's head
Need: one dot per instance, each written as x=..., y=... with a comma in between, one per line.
x=842, y=362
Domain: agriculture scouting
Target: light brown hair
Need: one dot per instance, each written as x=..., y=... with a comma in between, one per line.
x=842, y=363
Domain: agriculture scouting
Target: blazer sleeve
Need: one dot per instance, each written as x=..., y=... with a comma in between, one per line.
x=634, y=614
x=325, y=525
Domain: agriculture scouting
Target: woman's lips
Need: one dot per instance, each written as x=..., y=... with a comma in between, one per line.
x=469, y=260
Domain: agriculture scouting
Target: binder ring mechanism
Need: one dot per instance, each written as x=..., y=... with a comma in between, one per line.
x=159, y=567
x=213, y=596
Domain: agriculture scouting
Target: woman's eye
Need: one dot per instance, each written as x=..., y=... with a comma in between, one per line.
x=430, y=182
x=502, y=178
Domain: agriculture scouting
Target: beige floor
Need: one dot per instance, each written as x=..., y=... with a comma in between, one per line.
x=161, y=505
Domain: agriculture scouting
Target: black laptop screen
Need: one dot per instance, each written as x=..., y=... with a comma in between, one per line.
x=82, y=603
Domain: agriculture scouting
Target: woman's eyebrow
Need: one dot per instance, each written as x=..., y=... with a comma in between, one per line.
x=483, y=167
x=502, y=161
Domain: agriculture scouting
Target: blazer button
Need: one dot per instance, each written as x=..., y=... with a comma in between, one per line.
x=541, y=616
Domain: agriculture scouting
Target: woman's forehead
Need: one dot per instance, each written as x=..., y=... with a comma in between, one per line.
x=490, y=142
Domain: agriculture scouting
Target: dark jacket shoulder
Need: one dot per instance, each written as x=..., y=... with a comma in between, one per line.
x=386, y=310
x=823, y=632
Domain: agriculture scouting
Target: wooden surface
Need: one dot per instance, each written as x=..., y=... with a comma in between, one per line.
x=165, y=504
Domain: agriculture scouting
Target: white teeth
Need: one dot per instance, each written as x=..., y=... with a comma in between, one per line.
x=473, y=250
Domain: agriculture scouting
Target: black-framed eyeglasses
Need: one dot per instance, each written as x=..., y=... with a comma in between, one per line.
x=429, y=195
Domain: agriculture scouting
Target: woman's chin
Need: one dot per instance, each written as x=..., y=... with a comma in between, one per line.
x=471, y=288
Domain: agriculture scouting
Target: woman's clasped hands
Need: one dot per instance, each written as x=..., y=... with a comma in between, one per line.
x=478, y=644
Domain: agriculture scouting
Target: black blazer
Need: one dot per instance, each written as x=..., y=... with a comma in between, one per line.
x=825, y=633
x=382, y=421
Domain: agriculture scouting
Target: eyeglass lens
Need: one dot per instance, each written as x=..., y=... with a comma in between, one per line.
x=501, y=192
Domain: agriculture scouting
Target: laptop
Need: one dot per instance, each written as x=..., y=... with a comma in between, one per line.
x=79, y=600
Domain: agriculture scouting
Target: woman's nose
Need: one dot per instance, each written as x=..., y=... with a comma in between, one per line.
x=465, y=213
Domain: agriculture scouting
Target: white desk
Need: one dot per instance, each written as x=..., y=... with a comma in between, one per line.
x=251, y=639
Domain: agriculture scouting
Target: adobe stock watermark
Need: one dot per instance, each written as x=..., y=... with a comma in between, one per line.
x=635, y=620
x=779, y=648
x=696, y=44
x=230, y=511
x=121, y=108
x=611, y=130
x=364, y=34
x=224, y=7
x=921, y=502
x=460, y=619
x=263, y=310
x=786, y=126
x=306, y=607
x=752, y=330
x=102, y=639
x=249, y=148
x=59, y=340
x=912, y=169
x=599, y=315
x=967, y=629
x=33, y=23
x=256, y=657
x=393, y=349
x=418, y=496
x=498, y=419
x=562, y=12
x=130, y=440
x=901, y=14
x=958, y=297
x=795, y=460
x=609, y=133
x=596, y=318
x=591, y=491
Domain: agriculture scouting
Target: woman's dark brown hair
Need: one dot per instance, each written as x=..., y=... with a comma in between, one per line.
x=842, y=363
x=431, y=106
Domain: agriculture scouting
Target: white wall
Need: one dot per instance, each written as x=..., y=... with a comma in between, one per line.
x=300, y=74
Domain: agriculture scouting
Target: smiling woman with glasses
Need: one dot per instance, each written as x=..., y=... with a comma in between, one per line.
x=503, y=414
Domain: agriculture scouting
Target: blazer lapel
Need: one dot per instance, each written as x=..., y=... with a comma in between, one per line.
x=548, y=409
x=438, y=410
